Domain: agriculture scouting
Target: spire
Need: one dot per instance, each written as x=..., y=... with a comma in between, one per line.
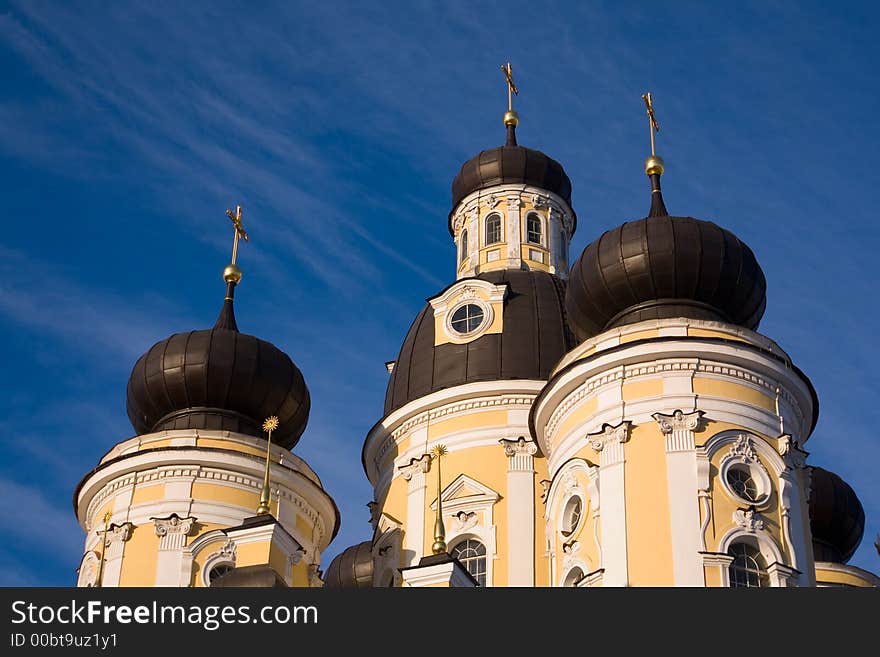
x=269, y=426
x=439, y=546
x=654, y=165
x=232, y=274
x=511, y=118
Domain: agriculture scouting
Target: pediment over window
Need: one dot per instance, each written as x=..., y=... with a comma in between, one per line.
x=466, y=493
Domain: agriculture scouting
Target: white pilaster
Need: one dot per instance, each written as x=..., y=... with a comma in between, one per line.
x=414, y=535
x=792, y=507
x=609, y=443
x=684, y=510
x=172, y=532
x=117, y=535
x=514, y=229
x=520, y=510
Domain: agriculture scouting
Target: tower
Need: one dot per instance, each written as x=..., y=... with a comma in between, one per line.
x=621, y=424
x=472, y=363
x=175, y=504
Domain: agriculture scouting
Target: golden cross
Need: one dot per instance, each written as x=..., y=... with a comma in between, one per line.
x=652, y=120
x=511, y=87
x=239, y=230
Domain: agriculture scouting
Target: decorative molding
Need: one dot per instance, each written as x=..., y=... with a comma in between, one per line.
x=679, y=428
x=749, y=519
x=118, y=533
x=520, y=453
x=416, y=465
x=609, y=434
x=464, y=520
x=611, y=437
x=660, y=365
x=520, y=401
x=743, y=452
x=545, y=490
x=172, y=531
x=791, y=452
x=375, y=512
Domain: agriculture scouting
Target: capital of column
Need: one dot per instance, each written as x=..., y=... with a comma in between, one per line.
x=520, y=453
x=421, y=465
x=679, y=421
x=679, y=429
x=173, y=530
x=612, y=437
x=118, y=533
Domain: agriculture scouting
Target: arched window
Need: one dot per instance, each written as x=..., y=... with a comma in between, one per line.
x=493, y=228
x=575, y=575
x=463, y=247
x=533, y=228
x=748, y=569
x=472, y=555
x=563, y=250
x=219, y=570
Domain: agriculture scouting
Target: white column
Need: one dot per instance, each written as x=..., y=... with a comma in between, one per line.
x=116, y=537
x=172, y=532
x=414, y=532
x=609, y=443
x=520, y=511
x=684, y=508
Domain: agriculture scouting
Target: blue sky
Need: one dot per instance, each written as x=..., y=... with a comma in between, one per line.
x=126, y=130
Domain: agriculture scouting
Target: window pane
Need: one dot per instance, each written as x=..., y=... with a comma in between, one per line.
x=533, y=229
x=493, y=229
x=472, y=555
x=467, y=318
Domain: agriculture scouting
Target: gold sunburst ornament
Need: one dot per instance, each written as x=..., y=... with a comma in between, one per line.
x=439, y=546
x=269, y=425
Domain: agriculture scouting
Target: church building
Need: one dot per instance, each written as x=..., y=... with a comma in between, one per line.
x=612, y=420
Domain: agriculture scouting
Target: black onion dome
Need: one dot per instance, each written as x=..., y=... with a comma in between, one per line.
x=534, y=337
x=837, y=519
x=510, y=163
x=660, y=267
x=218, y=379
x=351, y=569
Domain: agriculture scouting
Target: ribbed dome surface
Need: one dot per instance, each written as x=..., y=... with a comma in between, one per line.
x=535, y=336
x=510, y=164
x=352, y=568
x=217, y=379
x=837, y=519
x=660, y=267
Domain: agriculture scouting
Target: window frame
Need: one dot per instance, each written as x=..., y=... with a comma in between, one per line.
x=466, y=560
x=541, y=232
x=492, y=216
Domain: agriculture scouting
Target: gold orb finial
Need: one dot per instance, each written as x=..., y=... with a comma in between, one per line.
x=232, y=274
x=654, y=165
x=511, y=118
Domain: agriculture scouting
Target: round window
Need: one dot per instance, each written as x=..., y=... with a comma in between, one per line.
x=467, y=319
x=571, y=516
x=739, y=478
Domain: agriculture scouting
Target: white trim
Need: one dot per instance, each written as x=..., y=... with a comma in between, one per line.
x=601, y=374
x=442, y=573
x=485, y=231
